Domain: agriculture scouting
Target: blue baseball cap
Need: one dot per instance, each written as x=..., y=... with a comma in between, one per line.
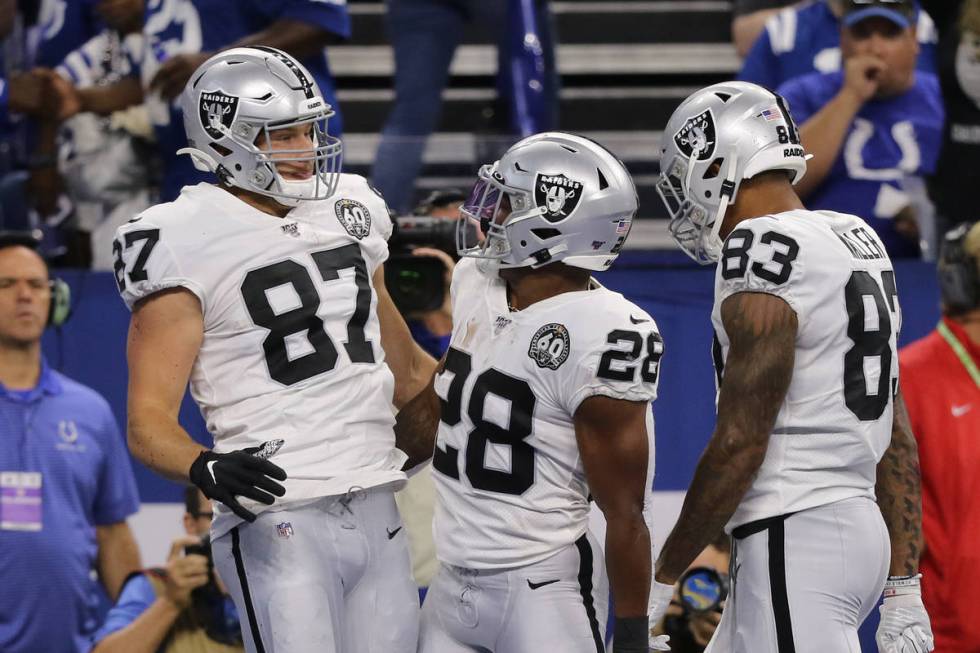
x=900, y=12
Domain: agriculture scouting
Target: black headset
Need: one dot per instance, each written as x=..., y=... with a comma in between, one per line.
x=60, y=308
x=959, y=282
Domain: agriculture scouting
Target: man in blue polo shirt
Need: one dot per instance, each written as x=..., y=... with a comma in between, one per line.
x=805, y=38
x=874, y=129
x=66, y=487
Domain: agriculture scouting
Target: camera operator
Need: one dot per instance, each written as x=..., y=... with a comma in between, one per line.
x=420, y=269
x=699, y=598
x=181, y=608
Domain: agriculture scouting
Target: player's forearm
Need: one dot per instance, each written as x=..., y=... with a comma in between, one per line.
x=103, y=100
x=417, y=374
x=721, y=479
x=157, y=440
x=899, y=497
x=823, y=137
x=416, y=425
x=298, y=38
x=118, y=556
x=146, y=633
x=628, y=562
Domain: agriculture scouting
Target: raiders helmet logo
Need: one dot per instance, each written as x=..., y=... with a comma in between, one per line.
x=558, y=194
x=354, y=216
x=697, y=136
x=549, y=346
x=217, y=109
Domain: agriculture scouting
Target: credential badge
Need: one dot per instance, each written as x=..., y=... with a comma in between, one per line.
x=217, y=109
x=549, y=346
x=558, y=194
x=354, y=216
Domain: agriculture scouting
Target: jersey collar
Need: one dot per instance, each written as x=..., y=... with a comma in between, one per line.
x=47, y=384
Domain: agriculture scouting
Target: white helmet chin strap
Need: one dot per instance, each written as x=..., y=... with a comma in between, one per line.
x=711, y=243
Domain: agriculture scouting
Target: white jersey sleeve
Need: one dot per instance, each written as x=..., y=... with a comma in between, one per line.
x=614, y=353
x=146, y=262
x=761, y=256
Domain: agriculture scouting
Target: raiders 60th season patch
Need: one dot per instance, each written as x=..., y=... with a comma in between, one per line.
x=549, y=346
x=354, y=216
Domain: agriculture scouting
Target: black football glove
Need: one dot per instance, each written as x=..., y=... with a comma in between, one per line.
x=225, y=476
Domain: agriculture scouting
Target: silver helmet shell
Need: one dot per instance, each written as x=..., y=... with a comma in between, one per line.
x=718, y=137
x=243, y=93
x=551, y=197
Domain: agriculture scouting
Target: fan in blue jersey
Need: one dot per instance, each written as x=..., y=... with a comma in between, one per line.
x=64, y=25
x=180, y=34
x=873, y=127
x=805, y=38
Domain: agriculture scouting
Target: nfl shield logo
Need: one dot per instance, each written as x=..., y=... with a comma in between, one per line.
x=558, y=194
x=697, y=136
x=217, y=109
x=285, y=529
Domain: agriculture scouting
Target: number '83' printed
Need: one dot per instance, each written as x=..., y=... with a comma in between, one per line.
x=735, y=261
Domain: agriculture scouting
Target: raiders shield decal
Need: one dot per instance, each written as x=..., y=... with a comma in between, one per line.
x=558, y=194
x=549, y=346
x=697, y=136
x=354, y=216
x=216, y=109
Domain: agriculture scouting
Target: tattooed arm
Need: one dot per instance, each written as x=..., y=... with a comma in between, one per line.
x=898, y=494
x=762, y=331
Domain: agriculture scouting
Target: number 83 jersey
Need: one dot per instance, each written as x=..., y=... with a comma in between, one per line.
x=292, y=344
x=835, y=422
x=511, y=488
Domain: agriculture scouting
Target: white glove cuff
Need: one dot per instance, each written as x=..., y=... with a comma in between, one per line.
x=902, y=586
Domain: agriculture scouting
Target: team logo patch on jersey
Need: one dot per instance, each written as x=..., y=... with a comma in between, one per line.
x=285, y=529
x=549, y=346
x=354, y=216
x=697, y=135
x=558, y=194
x=217, y=109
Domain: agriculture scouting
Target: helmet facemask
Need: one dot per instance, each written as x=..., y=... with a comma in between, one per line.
x=491, y=210
x=325, y=153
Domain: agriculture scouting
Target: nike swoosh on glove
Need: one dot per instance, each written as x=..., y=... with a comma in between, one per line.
x=660, y=597
x=225, y=476
x=904, y=626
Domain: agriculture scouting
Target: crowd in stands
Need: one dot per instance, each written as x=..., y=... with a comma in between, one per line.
x=886, y=96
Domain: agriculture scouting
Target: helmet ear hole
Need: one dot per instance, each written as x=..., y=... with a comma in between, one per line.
x=220, y=149
x=714, y=169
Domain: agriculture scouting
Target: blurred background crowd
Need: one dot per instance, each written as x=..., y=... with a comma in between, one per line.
x=425, y=91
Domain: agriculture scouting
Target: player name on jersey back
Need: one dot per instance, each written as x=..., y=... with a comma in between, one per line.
x=292, y=343
x=509, y=478
x=835, y=422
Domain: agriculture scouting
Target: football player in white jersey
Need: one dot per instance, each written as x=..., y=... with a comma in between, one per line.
x=543, y=399
x=266, y=293
x=811, y=426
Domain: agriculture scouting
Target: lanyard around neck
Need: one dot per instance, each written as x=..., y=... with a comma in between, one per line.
x=960, y=351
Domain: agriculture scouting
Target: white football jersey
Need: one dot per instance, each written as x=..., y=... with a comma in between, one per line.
x=835, y=423
x=509, y=479
x=292, y=353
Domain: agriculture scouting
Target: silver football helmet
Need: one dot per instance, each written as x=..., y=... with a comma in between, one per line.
x=551, y=197
x=242, y=94
x=716, y=138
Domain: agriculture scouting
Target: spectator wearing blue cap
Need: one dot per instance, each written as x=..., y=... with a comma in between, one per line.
x=874, y=128
x=66, y=487
x=805, y=38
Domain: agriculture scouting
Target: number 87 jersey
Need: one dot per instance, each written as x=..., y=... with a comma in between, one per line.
x=835, y=422
x=509, y=479
x=292, y=344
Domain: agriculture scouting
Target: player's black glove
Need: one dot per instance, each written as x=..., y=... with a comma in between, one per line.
x=225, y=476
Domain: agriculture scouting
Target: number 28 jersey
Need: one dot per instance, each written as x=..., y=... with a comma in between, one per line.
x=835, y=422
x=511, y=488
x=292, y=344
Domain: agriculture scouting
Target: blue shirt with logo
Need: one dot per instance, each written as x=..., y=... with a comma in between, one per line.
x=50, y=600
x=806, y=39
x=180, y=26
x=890, y=140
